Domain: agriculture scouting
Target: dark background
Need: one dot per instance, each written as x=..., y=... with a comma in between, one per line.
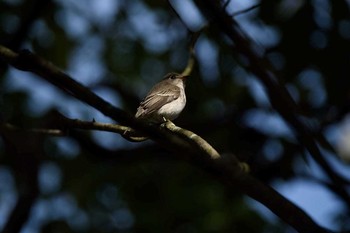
x=92, y=181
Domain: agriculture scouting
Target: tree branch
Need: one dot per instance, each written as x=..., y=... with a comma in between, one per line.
x=64, y=124
x=278, y=95
x=191, y=60
x=227, y=171
x=125, y=131
x=245, y=10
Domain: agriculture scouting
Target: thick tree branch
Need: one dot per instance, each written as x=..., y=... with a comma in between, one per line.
x=227, y=171
x=194, y=139
x=278, y=95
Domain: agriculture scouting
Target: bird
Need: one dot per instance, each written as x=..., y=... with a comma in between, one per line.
x=165, y=101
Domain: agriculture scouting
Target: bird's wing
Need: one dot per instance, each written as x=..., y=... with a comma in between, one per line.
x=157, y=99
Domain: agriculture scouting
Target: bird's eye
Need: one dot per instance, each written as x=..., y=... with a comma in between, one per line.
x=172, y=77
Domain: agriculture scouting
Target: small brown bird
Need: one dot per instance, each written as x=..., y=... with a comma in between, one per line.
x=165, y=101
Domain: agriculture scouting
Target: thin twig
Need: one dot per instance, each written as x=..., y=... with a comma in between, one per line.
x=191, y=60
x=51, y=132
x=125, y=131
x=69, y=124
x=245, y=10
x=225, y=5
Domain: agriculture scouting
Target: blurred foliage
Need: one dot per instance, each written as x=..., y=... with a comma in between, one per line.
x=120, y=49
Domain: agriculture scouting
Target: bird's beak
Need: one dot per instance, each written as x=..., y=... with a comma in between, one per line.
x=184, y=77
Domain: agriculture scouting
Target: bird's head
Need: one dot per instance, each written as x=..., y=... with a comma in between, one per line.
x=175, y=78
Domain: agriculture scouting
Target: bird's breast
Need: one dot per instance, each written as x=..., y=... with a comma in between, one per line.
x=174, y=108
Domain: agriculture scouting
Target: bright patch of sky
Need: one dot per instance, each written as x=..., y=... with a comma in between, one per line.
x=207, y=55
x=86, y=62
x=75, y=25
x=37, y=89
x=265, y=35
x=189, y=13
x=267, y=122
x=256, y=89
x=308, y=196
x=109, y=95
x=44, y=96
x=100, y=12
x=103, y=12
x=334, y=162
x=157, y=37
x=309, y=200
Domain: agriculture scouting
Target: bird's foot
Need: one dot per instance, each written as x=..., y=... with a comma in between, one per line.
x=165, y=120
x=166, y=123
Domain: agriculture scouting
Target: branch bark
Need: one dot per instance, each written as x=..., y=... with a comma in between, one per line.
x=226, y=170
